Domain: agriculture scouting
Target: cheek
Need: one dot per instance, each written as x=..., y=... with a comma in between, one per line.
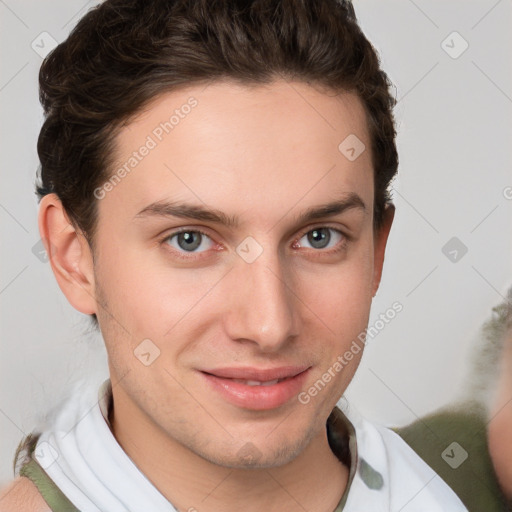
x=500, y=427
x=341, y=294
x=340, y=298
x=500, y=447
x=149, y=295
x=145, y=292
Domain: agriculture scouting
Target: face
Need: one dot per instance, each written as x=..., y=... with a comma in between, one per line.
x=220, y=269
x=500, y=427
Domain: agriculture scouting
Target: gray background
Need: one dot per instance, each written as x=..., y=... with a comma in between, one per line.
x=455, y=166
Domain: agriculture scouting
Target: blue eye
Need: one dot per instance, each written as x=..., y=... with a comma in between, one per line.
x=189, y=241
x=321, y=238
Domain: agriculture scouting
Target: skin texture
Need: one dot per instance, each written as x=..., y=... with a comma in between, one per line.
x=264, y=154
x=23, y=496
x=500, y=426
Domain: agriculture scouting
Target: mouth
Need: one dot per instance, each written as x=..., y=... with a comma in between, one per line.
x=256, y=389
x=258, y=383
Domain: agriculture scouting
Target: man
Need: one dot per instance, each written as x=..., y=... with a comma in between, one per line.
x=214, y=192
x=499, y=407
x=474, y=435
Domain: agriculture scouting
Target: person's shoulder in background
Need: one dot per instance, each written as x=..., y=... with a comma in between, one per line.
x=21, y=495
x=453, y=442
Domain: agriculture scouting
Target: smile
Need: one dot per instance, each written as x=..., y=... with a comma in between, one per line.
x=256, y=389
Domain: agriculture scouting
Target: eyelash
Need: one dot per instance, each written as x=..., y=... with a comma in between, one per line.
x=342, y=245
x=179, y=254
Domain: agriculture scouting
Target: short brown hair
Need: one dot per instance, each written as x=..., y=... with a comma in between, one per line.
x=123, y=53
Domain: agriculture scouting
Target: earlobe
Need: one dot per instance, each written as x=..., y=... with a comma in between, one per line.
x=69, y=254
x=380, y=243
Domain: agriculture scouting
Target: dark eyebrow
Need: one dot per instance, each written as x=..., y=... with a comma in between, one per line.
x=197, y=212
x=349, y=202
x=187, y=211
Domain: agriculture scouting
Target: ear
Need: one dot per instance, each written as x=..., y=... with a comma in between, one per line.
x=69, y=254
x=380, y=241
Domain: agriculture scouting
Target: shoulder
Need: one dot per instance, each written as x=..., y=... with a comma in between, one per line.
x=453, y=441
x=451, y=429
x=405, y=481
x=23, y=496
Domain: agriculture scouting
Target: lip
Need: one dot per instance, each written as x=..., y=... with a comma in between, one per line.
x=258, y=397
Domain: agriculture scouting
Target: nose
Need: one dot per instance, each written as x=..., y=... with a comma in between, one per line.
x=262, y=306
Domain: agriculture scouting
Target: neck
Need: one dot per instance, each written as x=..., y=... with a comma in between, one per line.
x=315, y=480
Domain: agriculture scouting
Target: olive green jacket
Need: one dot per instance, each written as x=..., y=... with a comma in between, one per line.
x=453, y=442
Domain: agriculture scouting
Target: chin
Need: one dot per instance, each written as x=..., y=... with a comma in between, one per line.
x=250, y=456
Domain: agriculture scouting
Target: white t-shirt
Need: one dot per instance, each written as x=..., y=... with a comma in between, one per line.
x=81, y=455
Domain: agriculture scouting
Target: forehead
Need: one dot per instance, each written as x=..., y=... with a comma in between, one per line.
x=256, y=144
